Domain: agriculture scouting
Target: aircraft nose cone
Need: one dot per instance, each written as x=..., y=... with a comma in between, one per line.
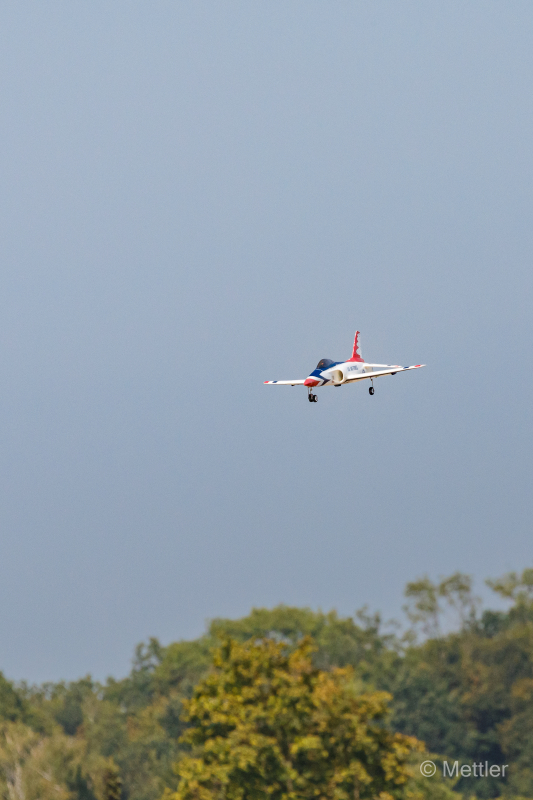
x=310, y=382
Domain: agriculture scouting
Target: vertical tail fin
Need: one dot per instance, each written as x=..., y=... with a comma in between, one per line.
x=356, y=354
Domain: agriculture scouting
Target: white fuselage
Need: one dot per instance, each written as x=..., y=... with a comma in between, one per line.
x=345, y=371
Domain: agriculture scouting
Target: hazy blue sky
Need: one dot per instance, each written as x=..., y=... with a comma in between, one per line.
x=200, y=196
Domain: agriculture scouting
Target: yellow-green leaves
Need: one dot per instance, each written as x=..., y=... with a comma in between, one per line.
x=36, y=767
x=265, y=723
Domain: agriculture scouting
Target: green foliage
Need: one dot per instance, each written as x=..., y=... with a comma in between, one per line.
x=12, y=706
x=469, y=694
x=515, y=587
x=182, y=665
x=37, y=767
x=460, y=680
x=433, y=788
x=80, y=785
x=427, y=602
x=266, y=723
x=340, y=641
x=112, y=782
x=67, y=702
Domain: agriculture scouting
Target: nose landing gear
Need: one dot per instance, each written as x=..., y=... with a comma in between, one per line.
x=312, y=398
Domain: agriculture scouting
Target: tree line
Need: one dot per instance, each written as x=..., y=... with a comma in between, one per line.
x=290, y=703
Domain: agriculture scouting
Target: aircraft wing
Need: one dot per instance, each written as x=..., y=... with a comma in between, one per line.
x=288, y=383
x=378, y=373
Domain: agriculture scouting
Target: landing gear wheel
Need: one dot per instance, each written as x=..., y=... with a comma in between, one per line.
x=315, y=398
x=371, y=390
x=310, y=397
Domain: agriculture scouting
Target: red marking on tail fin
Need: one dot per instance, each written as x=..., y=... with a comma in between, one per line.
x=356, y=355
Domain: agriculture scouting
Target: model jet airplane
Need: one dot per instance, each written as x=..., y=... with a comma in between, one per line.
x=336, y=373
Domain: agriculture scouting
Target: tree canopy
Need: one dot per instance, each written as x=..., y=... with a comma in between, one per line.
x=266, y=723
x=459, y=678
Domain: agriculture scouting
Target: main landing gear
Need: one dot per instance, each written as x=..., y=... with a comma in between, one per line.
x=312, y=398
x=371, y=390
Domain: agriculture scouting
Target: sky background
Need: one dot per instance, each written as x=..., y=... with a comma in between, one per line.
x=198, y=196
